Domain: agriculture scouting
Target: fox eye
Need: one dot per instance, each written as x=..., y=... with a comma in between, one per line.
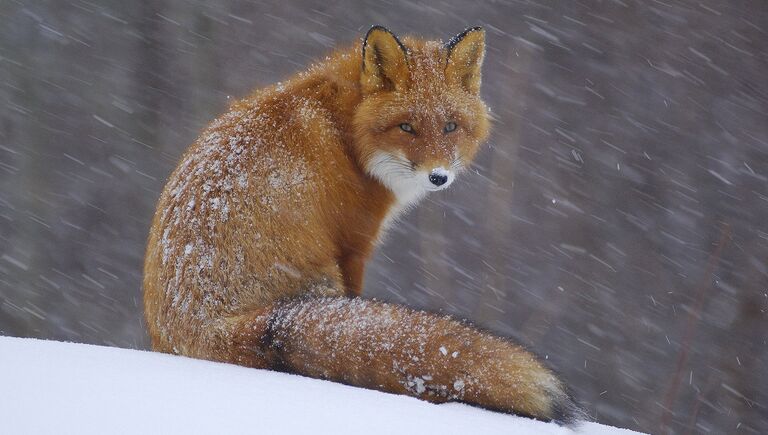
x=449, y=127
x=406, y=127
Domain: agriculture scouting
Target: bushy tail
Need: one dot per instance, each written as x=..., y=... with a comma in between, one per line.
x=398, y=350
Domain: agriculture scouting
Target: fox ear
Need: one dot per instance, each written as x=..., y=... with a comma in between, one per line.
x=385, y=61
x=465, y=59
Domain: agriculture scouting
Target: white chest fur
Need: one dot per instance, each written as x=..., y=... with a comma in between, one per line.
x=406, y=185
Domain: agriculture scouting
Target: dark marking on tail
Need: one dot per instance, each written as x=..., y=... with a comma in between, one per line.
x=273, y=346
x=566, y=412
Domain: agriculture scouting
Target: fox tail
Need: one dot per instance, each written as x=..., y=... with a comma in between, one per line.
x=398, y=350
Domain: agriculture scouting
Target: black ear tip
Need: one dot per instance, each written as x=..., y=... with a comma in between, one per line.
x=377, y=27
x=456, y=39
x=382, y=29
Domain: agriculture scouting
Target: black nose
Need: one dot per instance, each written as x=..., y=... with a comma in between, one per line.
x=438, y=179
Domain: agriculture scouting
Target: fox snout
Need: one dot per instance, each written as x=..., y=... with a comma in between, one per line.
x=407, y=178
x=441, y=177
x=437, y=173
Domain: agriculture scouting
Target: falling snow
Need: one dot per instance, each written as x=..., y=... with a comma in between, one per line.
x=616, y=223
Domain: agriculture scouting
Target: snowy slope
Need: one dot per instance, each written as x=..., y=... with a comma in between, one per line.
x=66, y=388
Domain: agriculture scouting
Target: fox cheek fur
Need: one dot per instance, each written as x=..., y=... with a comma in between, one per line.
x=411, y=129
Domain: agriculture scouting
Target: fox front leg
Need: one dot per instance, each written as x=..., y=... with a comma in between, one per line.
x=353, y=271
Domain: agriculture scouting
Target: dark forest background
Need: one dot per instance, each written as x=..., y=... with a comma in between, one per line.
x=617, y=223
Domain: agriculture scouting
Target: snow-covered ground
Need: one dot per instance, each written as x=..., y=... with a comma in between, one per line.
x=65, y=388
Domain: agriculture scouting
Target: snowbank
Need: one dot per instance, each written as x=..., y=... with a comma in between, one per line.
x=66, y=388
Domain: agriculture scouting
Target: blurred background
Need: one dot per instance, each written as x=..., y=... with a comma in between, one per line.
x=616, y=224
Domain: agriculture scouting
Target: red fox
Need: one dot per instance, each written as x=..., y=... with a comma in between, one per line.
x=258, y=247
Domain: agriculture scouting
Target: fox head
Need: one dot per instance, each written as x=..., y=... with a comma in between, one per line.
x=421, y=118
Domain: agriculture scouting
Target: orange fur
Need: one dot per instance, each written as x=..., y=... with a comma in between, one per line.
x=262, y=233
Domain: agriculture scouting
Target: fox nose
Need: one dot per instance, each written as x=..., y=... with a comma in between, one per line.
x=438, y=178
